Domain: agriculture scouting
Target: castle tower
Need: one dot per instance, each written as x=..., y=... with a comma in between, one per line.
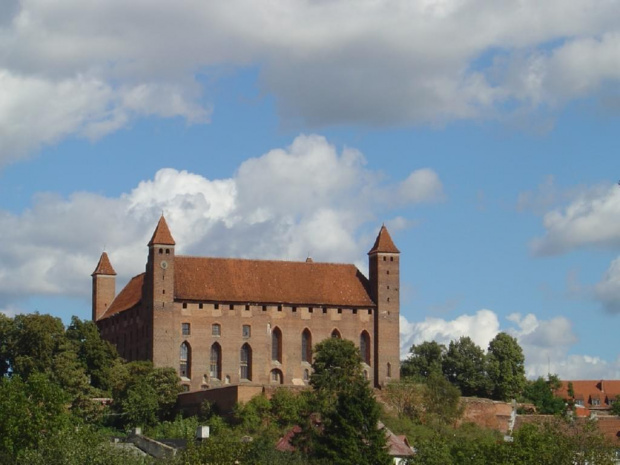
x=159, y=296
x=384, y=275
x=104, y=286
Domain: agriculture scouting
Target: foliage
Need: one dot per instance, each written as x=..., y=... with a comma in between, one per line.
x=96, y=355
x=347, y=408
x=615, y=406
x=540, y=393
x=423, y=360
x=442, y=400
x=143, y=394
x=29, y=412
x=78, y=446
x=505, y=367
x=464, y=366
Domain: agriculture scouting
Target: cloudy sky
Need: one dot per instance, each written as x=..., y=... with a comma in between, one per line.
x=483, y=134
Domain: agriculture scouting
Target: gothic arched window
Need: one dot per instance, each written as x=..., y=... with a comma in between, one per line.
x=185, y=361
x=365, y=347
x=276, y=345
x=245, y=362
x=215, y=369
x=306, y=346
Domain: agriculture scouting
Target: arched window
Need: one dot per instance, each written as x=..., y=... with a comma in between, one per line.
x=389, y=370
x=215, y=370
x=185, y=361
x=245, y=362
x=306, y=346
x=336, y=334
x=365, y=347
x=276, y=376
x=276, y=345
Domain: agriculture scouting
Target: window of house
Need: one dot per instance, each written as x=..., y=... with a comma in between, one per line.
x=276, y=345
x=185, y=361
x=247, y=307
x=231, y=307
x=216, y=306
x=339, y=311
x=200, y=306
x=336, y=333
x=216, y=329
x=215, y=370
x=306, y=346
x=389, y=370
x=365, y=347
x=306, y=375
x=596, y=402
x=185, y=387
x=246, y=331
x=185, y=329
x=184, y=304
x=167, y=251
x=245, y=362
x=579, y=402
x=294, y=309
x=264, y=308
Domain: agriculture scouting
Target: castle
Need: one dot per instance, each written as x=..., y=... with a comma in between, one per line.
x=226, y=321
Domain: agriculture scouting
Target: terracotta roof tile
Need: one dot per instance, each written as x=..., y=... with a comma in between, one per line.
x=590, y=389
x=104, y=266
x=383, y=243
x=241, y=280
x=162, y=234
x=128, y=297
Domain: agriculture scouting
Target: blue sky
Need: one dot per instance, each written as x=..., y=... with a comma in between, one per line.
x=484, y=137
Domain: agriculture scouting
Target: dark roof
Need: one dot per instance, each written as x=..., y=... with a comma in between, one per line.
x=270, y=281
x=129, y=297
x=383, y=243
x=104, y=267
x=162, y=234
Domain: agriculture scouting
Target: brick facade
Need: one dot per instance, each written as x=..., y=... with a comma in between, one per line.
x=231, y=321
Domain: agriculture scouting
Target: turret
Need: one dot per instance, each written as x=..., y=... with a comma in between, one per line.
x=160, y=266
x=104, y=286
x=384, y=276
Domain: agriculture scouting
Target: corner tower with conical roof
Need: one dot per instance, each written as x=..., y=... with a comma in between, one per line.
x=384, y=276
x=159, y=290
x=104, y=286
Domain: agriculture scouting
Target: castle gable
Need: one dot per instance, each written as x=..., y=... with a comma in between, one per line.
x=239, y=280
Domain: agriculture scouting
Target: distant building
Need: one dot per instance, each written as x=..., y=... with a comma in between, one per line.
x=221, y=321
x=590, y=395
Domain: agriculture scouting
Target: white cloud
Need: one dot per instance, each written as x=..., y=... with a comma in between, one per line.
x=591, y=219
x=305, y=198
x=481, y=328
x=546, y=344
x=89, y=69
x=607, y=291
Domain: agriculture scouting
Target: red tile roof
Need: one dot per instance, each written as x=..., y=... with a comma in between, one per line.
x=383, y=243
x=586, y=390
x=269, y=281
x=104, y=266
x=162, y=234
x=128, y=297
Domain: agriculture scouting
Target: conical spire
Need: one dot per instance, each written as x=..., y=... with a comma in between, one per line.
x=162, y=234
x=104, y=266
x=383, y=243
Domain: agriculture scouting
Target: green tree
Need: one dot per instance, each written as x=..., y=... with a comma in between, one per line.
x=96, y=355
x=6, y=330
x=34, y=342
x=505, y=367
x=348, y=410
x=424, y=359
x=442, y=400
x=540, y=393
x=464, y=366
x=29, y=412
x=142, y=394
